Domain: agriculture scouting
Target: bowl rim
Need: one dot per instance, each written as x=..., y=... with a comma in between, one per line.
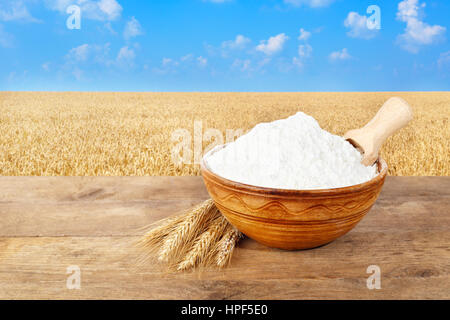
x=381, y=166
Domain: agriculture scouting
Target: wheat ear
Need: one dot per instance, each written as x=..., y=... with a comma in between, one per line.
x=200, y=249
x=151, y=242
x=225, y=247
x=154, y=238
x=187, y=230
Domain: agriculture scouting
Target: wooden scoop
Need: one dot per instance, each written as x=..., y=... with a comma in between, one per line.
x=392, y=116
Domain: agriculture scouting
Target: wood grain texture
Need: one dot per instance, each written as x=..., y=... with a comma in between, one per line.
x=52, y=227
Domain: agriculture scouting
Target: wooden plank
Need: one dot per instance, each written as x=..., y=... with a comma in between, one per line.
x=83, y=218
x=48, y=224
x=55, y=215
x=416, y=267
x=44, y=189
x=431, y=187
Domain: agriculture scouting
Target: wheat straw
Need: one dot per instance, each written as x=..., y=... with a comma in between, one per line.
x=226, y=245
x=186, y=231
x=197, y=238
x=207, y=239
x=153, y=238
x=130, y=134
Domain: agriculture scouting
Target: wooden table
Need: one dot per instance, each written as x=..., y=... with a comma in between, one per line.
x=49, y=224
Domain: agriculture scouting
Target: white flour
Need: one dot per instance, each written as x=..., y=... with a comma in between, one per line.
x=293, y=153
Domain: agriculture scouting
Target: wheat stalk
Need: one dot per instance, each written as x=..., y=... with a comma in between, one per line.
x=199, y=237
x=155, y=236
x=207, y=239
x=225, y=247
x=107, y=134
x=186, y=231
x=163, y=228
x=152, y=241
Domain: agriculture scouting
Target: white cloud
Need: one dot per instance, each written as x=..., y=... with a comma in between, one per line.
x=238, y=43
x=298, y=62
x=444, y=60
x=264, y=61
x=304, y=35
x=6, y=39
x=126, y=54
x=167, y=62
x=358, y=26
x=417, y=33
x=187, y=57
x=409, y=9
x=228, y=47
x=102, y=10
x=59, y=5
x=340, y=55
x=310, y=3
x=79, y=53
x=125, y=58
x=108, y=27
x=202, y=62
x=15, y=11
x=186, y=61
x=101, y=54
x=46, y=66
x=273, y=45
x=132, y=29
x=78, y=73
x=89, y=53
x=242, y=65
x=111, y=8
x=249, y=66
x=304, y=52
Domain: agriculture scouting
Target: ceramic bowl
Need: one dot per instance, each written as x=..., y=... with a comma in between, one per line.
x=292, y=219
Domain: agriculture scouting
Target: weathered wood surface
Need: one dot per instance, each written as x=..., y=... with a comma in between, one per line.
x=48, y=224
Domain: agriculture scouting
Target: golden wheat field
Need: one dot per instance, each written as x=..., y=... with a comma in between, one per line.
x=78, y=134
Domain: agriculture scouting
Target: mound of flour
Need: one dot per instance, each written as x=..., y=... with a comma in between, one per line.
x=293, y=153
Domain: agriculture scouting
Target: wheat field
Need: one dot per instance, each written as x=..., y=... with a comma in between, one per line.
x=116, y=134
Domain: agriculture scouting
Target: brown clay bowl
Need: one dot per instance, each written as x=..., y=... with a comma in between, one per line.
x=293, y=219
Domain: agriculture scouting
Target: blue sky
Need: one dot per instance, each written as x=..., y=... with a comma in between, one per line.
x=220, y=45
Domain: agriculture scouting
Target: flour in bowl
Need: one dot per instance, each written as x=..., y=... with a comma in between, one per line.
x=292, y=153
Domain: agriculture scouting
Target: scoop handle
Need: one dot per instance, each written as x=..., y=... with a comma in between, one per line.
x=392, y=116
